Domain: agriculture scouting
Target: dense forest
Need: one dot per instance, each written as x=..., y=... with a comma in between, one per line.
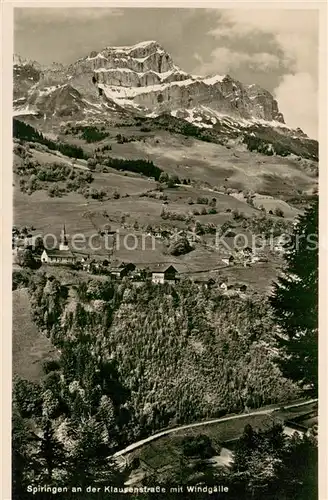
x=133, y=359
x=26, y=132
x=218, y=349
x=138, y=166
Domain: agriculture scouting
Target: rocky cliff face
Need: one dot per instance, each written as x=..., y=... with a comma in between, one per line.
x=143, y=78
x=25, y=74
x=145, y=75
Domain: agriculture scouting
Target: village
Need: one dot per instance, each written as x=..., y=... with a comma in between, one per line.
x=158, y=272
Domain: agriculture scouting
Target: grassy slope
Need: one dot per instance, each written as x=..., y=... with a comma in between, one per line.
x=208, y=162
x=202, y=162
x=30, y=348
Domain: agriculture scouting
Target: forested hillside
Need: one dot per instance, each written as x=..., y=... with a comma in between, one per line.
x=207, y=353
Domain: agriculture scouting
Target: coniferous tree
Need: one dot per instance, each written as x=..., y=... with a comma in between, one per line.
x=295, y=301
x=51, y=450
x=20, y=458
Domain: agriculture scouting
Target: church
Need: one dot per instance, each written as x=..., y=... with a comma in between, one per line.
x=61, y=255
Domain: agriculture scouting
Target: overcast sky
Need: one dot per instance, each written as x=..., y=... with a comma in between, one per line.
x=277, y=49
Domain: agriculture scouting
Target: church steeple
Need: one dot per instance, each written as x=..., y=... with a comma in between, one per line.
x=64, y=242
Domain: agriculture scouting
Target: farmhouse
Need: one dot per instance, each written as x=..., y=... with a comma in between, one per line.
x=61, y=255
x=122, y=270
x=164, y=273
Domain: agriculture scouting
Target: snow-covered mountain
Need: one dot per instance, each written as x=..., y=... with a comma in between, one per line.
x=144, y=76
x=143, y=80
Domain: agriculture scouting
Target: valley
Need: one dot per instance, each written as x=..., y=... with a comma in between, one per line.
x=184, y=192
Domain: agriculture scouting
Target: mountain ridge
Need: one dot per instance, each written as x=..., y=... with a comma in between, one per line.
x=144, y=77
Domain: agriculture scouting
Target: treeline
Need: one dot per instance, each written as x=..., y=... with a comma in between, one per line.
x=269, y=142
x=264, y=140
x=26, y=132
x=138, y=166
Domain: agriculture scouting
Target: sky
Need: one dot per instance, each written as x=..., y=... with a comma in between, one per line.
x=276, y=49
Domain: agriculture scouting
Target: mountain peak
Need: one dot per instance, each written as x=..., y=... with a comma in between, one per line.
x=140, y=45
x=21, y=61
x=143, y=77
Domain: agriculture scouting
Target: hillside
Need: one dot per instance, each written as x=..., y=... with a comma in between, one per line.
x=150, y=210
x=217, y=349
x=30, y=347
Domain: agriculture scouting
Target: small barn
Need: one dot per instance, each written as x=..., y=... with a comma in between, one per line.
x=122, y=270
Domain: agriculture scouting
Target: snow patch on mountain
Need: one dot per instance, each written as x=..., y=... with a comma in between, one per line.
x=26, y=110
x=205, y=117
x=117, y=92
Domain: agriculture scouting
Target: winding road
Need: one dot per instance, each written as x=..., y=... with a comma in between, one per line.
x=165, y=432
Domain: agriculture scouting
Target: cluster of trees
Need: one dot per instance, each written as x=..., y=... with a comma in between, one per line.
x=266, y=464
x=138, y=166
x=261, y=224
x=157, y=195
x=63, y=434
x=89, y=133
x=122, y=139
x=204, y=211
x=20, y=278
x=172, y=180
x=201, y=229
x=175, y=125
x=56, y=178
x=26, y=132
x=203, y=200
